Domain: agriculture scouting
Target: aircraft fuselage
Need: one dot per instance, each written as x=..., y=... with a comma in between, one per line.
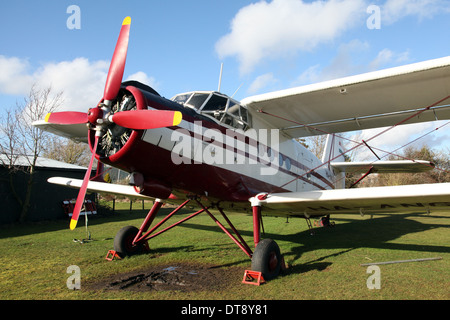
x=206, y=157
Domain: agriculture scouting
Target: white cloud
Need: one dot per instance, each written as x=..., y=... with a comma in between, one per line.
x=279, y=28
x=344, y=63
x=81, y=81
x=261, y=82
x=387, y=57
x=284, y=27
x=394, y=10
x=145, y=79
x=14, y=75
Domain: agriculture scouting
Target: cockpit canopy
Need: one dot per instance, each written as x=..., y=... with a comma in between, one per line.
x=218, y=106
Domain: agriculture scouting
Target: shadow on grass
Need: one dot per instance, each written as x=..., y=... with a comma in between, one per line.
x=349, y=234
x=107, y=216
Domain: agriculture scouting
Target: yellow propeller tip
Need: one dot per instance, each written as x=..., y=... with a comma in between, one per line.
x=126, y=21
x=47, y=117
x=73, y=224
x=177, y=117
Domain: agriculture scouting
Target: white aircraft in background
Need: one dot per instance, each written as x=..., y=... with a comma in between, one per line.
x=211, y=151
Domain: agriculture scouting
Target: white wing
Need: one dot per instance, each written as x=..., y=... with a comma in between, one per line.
x=410, y=198
x=422, y=198
x=99, y=187
x=376, y=99
x=78, y=132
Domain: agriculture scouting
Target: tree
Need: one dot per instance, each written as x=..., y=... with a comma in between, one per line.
x=20, y=140
x=315, y=144
x=68, y=151
x=440, y=174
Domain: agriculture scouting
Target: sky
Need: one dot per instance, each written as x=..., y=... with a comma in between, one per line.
x=178, y=46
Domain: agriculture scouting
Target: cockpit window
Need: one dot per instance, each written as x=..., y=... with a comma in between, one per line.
x=215, y=103
x=197, y=100
x=217, y=106
x=182, y=98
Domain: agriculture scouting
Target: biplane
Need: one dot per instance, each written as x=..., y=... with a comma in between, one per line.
x=208, y=150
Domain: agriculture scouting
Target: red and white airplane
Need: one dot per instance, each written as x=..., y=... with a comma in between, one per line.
x=208, y=150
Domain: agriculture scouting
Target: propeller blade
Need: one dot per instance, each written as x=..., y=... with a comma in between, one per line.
x=117, y=67
x=147, y=119
x=83, y=189
x=66, y=117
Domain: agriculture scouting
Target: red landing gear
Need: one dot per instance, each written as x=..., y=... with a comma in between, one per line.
x=266, y=258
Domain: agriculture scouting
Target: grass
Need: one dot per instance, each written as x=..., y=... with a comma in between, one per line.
x=35, y=257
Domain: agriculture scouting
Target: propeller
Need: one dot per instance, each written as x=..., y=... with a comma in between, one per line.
x=101, y=116
x=82, y=193
x=146, y=119
x=67, y=117
x=115, y=73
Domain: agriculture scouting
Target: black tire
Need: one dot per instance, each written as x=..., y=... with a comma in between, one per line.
x=267, y=259
x=123, y=242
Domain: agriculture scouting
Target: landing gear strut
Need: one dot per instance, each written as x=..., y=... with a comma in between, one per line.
x=266, y=258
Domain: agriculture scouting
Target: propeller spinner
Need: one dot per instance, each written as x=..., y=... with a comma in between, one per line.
x=101, y=116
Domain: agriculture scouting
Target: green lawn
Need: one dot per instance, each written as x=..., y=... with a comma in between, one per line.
x=35, y=257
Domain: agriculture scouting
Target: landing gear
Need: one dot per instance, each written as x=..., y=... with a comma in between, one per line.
x=267, y=259
x=324, y=222
x=123, y=242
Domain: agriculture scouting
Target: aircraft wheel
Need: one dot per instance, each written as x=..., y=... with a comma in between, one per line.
x=267, y=259
x=123, y=242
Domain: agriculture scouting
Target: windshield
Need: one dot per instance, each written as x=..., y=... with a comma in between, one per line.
x=197, y=99
x=182, y=98
x=217, y=106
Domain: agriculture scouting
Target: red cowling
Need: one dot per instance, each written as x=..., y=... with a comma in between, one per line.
x=141, y=104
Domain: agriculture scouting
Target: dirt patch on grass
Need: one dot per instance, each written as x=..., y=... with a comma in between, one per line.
x=180, y=277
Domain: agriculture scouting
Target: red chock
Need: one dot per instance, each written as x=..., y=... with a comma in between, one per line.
x=250, y=277
x=111, y=255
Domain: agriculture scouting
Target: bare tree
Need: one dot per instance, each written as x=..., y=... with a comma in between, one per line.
x=21, y=143
x=440, y=174
x=68, y=151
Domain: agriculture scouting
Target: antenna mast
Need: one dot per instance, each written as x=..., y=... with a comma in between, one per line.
x=220, y=77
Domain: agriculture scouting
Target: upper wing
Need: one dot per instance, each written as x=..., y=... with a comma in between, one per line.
x=376, y=99
x=78, y=132
x=421, y=197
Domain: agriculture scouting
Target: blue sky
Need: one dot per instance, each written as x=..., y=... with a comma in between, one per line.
x=178, y=45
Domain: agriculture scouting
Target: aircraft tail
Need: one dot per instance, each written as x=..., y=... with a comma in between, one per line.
x=334, y=149
x=334, y=152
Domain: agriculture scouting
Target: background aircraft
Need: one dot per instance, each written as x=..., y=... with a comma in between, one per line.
x=209, y=150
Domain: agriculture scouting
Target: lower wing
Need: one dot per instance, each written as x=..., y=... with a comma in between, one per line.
x=408, y=198
x=99, y=187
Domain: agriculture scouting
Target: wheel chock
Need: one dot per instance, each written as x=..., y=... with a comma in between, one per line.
x=250, y=277
x=111, y=255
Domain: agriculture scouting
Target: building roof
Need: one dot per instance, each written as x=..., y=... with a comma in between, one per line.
x=41, y=162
